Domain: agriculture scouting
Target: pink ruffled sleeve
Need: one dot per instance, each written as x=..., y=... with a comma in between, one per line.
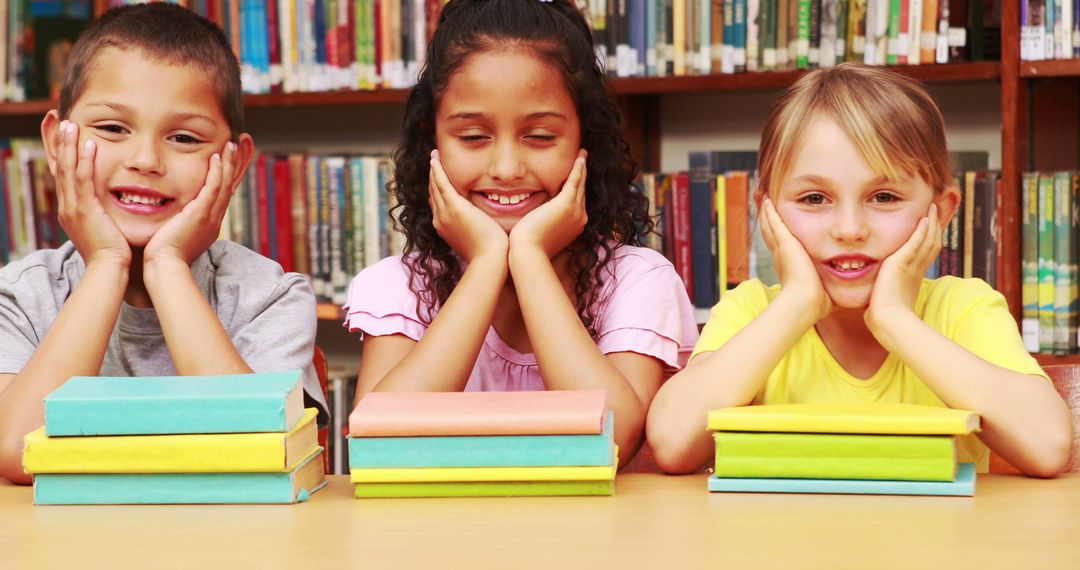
x=647, y=310
x=381, y=301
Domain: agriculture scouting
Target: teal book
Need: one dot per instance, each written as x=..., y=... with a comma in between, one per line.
x=185, y=488
x=485, y=451
x=240, y=403
x=485, y=489
x=962, y=486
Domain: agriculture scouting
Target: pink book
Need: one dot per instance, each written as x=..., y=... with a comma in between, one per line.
x=388, y=414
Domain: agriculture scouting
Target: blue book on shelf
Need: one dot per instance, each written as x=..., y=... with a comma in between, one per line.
x=963, y=486
x=294, y=486
x=240, y=403
x=485, y=451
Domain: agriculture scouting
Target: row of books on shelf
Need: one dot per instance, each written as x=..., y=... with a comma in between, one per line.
x=678, y=37
x=322, y=215
x=1049, y=29
x=325, y=45
x=1050, y=228
x=707, y=223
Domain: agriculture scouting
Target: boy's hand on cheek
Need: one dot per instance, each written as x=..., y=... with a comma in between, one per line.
x=557, y=223
x=471, y=232
x=191, y=232
x=80, y=211
x=898, y=281
x=798, y=275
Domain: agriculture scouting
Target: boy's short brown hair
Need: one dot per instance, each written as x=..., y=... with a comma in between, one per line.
x=165, y=32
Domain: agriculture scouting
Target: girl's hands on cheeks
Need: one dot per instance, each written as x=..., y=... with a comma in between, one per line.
x=80, y=211
x=557, y=223
x=901, y=274
x=798, y=275
x=471, y=232
x=191, y=232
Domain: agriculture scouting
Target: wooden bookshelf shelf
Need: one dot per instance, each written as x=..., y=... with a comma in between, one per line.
x=328, y=312
x=979, y=71
x=1049, y=359
x=1050, y=68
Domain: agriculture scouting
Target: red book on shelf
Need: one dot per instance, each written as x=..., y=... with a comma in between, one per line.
x=262, y=200
x=684, y=266
x=283, y=211
x=273, y=39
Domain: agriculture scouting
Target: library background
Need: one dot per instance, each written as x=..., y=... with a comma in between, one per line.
x=325, y=83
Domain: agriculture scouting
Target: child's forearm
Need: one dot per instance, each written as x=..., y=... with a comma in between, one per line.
x=443, y=359
x=1023, y=418
x=730, y=376
x=198, y=344
x=568, y=357
x=74, y=345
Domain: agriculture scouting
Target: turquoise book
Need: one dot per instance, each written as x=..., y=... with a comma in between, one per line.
x=294, y=486
x=239, y=403
x=962, y=486
x=485, y=451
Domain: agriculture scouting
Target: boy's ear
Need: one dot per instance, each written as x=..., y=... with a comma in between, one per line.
x=947, y=204
x=50, y=137
x=245, y=150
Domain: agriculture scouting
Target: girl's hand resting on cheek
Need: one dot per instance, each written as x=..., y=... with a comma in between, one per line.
x=555, y=224
x=798, y=275
x=898, y=281
x=469, y=231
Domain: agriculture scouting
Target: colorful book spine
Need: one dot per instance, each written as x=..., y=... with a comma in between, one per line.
x=484, y=451
x=1064, y=269
x=1047, y=269
x=485, y=489
x=835, y=456
x=261, y=402
x=876, y=418
x=185, y=488
x=481, y=474
x=963, y=486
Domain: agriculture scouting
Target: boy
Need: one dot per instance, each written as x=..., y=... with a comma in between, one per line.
x=150, y=98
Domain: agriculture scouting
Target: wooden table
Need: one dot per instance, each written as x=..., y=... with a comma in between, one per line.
x=653, y=522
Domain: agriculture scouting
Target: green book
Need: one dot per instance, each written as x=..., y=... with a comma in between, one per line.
x=835, y=456
x=1029, y=259
x=1046, y=263
x=485, y=489
x=1064, y=266
x=892, y=53
x=802, y=35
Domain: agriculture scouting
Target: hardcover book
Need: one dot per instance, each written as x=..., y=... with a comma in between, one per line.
x=174, y=453
x=382, y=414
x=963, y=486
x=878, y=418
x=485, y=489
x=240, y=403
x=182, y=488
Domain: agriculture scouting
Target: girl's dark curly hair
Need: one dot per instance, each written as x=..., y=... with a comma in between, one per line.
x=557, y=33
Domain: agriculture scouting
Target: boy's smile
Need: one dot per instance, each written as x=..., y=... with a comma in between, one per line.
x=507, y=144
x=155, y=125
x=847, y=217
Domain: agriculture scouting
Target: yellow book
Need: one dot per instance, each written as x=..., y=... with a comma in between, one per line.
x=194, y=453
x=845, y=418
x=484, y=474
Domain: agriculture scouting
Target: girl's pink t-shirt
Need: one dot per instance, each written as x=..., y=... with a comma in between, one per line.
x=644, y=310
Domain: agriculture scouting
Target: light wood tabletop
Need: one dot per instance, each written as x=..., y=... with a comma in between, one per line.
x=654, y=521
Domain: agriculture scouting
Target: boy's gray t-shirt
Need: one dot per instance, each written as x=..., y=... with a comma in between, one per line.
x=268, y=314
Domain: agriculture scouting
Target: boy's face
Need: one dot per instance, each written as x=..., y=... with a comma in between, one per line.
x=847, y=217
x=156, y=126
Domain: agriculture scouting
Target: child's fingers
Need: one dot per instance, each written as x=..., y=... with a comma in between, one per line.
x=435, y=197
x=909, y=253
x=67, y=158
x=84, y=171
x=766, y=230
x=208, y=193
x=228, y=168
x=931, y=244
x=445, y=189
x=781, y=235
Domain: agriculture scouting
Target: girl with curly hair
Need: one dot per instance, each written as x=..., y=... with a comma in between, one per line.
x=522, y=268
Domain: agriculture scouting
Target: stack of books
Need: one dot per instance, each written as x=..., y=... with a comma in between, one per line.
x=198, y=439
x=482, y=444
x=880, y=449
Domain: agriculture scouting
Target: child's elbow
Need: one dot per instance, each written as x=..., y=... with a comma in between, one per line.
x=11, y=465
x=1052, y=457
x=671, y=448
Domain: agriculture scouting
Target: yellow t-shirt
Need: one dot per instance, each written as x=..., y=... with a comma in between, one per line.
x=966, y=311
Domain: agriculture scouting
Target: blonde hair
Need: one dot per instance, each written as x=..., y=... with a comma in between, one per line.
x=895, y=125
